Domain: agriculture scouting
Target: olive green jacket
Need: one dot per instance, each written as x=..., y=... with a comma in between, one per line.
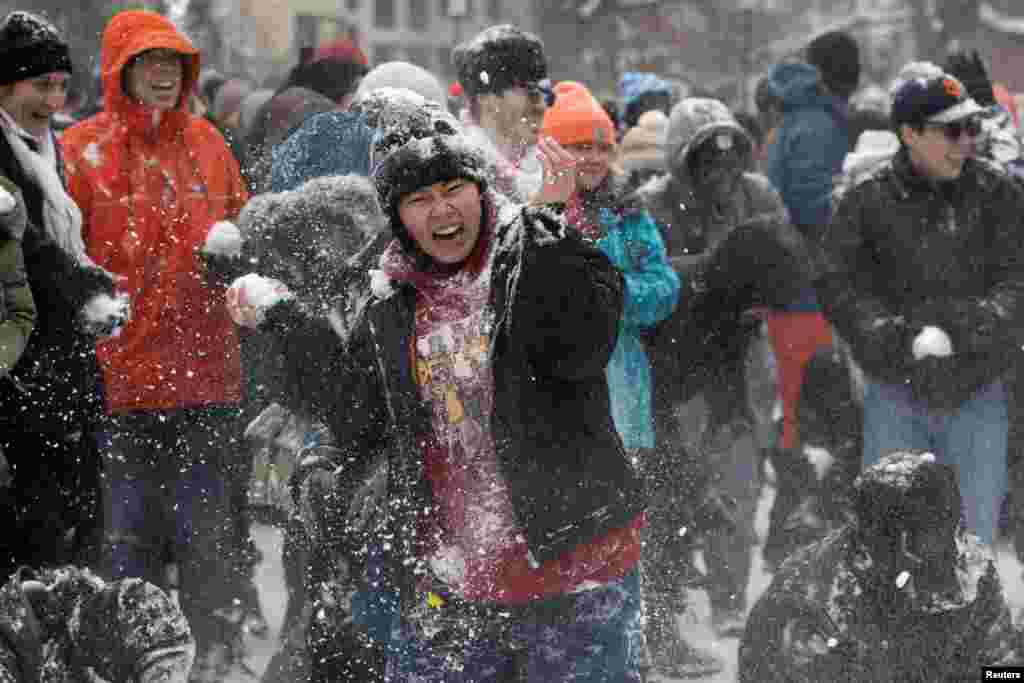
x=17, y=308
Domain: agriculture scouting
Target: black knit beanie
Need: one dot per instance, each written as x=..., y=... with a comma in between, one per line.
x=30, y=46
x=498, y=58
x=421, y=162
x=837, y=57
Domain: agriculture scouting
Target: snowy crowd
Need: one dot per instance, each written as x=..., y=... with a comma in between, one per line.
x=501, y=359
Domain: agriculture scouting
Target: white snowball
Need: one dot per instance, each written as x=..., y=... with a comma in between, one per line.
x=106, y=313
x=224, y=240
x=7, y=201
x=902, y=579
x=262, y=292
x=932, y=341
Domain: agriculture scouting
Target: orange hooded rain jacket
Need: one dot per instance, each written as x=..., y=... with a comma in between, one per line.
x=150, y=186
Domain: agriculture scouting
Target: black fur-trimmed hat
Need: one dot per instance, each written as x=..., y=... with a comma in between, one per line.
x=421, y=162
x=30, y=46
x=498, y=58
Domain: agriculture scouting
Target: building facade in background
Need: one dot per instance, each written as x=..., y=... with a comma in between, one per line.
x=419, y=31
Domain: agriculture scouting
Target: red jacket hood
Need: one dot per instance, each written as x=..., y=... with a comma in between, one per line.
x=131, y=33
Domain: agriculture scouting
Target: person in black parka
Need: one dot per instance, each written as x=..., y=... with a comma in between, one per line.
x=478, y=373
x=51, y=406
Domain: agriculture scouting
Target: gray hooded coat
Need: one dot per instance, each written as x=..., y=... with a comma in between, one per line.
x=691, y=223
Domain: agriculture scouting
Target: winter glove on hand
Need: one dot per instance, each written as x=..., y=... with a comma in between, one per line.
x=971, y=71
x=251, y=296
x=13, y=215
x=103, y=315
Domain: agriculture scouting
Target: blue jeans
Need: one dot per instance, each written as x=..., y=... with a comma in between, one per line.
x=598, y=643
x=973, y=439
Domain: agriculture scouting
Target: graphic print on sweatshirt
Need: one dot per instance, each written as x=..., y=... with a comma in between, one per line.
x=478, y=529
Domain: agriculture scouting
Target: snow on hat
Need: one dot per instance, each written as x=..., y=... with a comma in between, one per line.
x=577, y=117
x=905, y=490
x=912, y=70
x=939, y=99
x=31, y=46
x=643, y=147
x=498, y=58
x=399, y=115
x=320, y=224
x=429, y=156
x=402, y=75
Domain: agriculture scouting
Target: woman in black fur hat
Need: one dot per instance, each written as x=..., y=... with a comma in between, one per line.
x=511, y=513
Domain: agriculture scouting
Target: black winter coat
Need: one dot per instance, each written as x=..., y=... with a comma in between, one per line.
x=904, y=252
x=58, y=385
x=557, y=304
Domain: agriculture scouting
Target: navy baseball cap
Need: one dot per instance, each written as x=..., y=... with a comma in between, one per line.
x=939, y=99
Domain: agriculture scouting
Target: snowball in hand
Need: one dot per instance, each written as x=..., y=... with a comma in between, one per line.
x=251, y=296
x=7, y=201
x=932, y=341
x=224, y=239
x=104, y=315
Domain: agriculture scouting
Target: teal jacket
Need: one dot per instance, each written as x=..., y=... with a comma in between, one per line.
x=633, y=244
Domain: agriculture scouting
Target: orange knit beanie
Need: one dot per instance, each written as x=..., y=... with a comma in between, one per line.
x=577, y=117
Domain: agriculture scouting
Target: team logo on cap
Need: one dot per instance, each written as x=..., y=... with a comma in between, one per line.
x=952, y=87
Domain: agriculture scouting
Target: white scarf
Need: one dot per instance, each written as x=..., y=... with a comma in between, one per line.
x=62, y=219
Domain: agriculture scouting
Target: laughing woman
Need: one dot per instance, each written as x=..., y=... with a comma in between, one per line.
x=478, y=371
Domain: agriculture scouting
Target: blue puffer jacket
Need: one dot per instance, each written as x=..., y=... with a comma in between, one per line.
x=812, y=142
x=633, y=244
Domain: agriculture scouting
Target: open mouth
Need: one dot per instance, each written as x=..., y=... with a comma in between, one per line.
x=164, y=88
x=447, y=233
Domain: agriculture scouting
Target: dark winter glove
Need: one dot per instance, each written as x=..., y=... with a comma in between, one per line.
x=971, y=71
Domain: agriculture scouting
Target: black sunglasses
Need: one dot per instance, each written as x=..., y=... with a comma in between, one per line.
x=954, y=130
